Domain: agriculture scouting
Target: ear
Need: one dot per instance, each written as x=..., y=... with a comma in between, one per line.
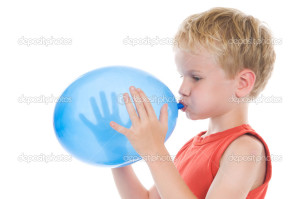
x=245, y=81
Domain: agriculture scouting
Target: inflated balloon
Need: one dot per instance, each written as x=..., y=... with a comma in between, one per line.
x=85, y=109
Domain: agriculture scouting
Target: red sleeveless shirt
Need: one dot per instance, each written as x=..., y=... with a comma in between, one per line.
x=198, y=160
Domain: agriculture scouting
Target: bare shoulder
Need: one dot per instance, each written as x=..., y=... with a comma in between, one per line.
x=247, y=151
x=248, y=143
x=240, y=170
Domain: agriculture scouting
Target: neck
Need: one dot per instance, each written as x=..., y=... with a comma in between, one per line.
x=233, y=118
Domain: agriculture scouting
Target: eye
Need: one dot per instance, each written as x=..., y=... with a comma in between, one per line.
x=196, y=78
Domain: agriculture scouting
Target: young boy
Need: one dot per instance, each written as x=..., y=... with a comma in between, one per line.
x=224, y=57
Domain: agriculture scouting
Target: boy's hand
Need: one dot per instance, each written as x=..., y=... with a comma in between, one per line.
x=147, y=133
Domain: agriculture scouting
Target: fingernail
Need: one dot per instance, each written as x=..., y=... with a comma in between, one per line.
x=132, y=88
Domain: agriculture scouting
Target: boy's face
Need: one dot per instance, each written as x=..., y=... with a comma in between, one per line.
x=205, y=88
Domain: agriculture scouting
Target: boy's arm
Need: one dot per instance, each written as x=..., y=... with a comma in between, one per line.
x=128, y=184
x=236, y=178
x=153, y=193
x=168, y=182
x=167, y=179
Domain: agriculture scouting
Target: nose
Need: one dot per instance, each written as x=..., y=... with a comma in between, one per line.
x=183, y=91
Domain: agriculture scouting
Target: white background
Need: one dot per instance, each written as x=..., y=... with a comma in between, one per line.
x=97, y=30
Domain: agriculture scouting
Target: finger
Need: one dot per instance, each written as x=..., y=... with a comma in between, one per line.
x=115, y=109
x=163, y=117
x=86, y=121
x=138, y=103
x=120, y=129
x=96, y=109
x=130, y=109
x=104, y=103
x=147, y=104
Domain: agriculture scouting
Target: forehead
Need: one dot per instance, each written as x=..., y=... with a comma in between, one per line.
x=187, y=62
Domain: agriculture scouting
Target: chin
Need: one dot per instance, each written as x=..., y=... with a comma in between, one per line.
x=196, y=117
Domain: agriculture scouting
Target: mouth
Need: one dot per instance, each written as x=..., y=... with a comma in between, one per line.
x=185, y=106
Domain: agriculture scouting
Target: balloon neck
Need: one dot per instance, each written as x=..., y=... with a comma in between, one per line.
x=180, y=106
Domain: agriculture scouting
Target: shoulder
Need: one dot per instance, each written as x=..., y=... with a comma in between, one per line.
x=239, y=170
x=244, y=148
x=247, y=143
x=245, y=154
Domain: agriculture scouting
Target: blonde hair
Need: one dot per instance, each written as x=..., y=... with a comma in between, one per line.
x=237, y=40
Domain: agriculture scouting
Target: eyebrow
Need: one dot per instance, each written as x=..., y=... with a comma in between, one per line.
x=190, y=71
x=194, y=71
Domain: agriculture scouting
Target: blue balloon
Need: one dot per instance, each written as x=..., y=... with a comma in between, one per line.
x=85, y=109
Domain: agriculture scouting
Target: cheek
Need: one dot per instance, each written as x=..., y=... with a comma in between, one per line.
x=220, y=97
x=212, y=99
x=203, y=102
x=210, y=92
x=223, y=89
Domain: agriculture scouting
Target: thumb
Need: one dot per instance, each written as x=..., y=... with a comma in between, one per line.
x=163, y=117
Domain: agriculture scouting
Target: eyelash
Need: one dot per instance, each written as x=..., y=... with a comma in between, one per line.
x=195, y=78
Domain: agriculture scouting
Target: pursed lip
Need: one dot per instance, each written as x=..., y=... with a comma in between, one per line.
x=185, y=105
